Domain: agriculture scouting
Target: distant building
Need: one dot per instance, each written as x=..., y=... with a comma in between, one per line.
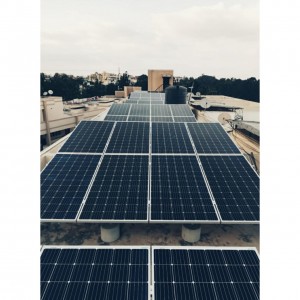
x=159, y=80
x=105, y=77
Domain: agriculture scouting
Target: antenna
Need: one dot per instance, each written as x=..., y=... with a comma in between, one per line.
x=190, y=94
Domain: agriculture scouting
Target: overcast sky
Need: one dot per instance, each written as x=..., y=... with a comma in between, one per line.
x=192, y=37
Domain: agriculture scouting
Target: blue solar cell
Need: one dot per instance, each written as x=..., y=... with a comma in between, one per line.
x=89, y=137
x=162, y=119
x=181, y=110
x=64, y=183
x=115, y=118
x=170, y=138
x=235, y=187
x=139, y=119
x=120, y=190
x=90, y=274
x=140, y=110
x=55, y=290
x=160, y=111
x=119, y=109
x=178, y=190
x=130, y=137
x=211, y=138
x=76, y=291
x=204, y=274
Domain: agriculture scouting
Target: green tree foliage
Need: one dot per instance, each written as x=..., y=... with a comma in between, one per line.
x=70, y=87
x=123, y=81
x=208, y=85
x=142, y=81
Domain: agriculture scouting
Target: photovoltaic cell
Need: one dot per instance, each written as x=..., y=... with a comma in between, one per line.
x=119, y=109
x=181, y=110
x=235, y=187
x=160, y=111
x=189, y=274
x=211, y=138
x=130, y=137
x=115, y=118
x=185, y=119
x=157, y=102
x=94, y=273
x=138, y=119
x=140, y=110
x=170, y=138
x=89, y=137
x=161, y=119
x=64, y=183
x=178, y=190
x=120, y=190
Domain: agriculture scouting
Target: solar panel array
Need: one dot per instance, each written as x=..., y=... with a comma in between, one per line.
x=95, y=273
x=199, y=273
x=146, y=98
x=146, y=112
x=149, y=172
x=181, y=273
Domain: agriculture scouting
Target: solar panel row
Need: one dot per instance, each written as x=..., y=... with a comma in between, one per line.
x=171, y=113
x=124, y=273
x=93, y=136
x=118, y=188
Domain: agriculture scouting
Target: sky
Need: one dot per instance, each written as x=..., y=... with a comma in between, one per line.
x=191, y=37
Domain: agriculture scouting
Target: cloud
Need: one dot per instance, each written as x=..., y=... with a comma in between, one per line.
x=216, y=39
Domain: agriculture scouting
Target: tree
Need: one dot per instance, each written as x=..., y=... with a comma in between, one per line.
x=142, y=81
x=123, y=81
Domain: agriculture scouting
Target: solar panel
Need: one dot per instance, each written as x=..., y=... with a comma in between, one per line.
x=145, y=95
x=88, y=137
x=205, y=273
x=140, y=110
x=178, y=191
x=95, y=273
x=211, y=138
x=64, y=182
x=130, y=137
x=185, y=119
x=160, y=111
x=181, y=110
x=132, y=101
x=161, y=119
x=170, y=138
x=120, y=190
x=139, y=119
x=157, y=102
x=144, y=102
x=115, y=118
x=119, y=109
x=235, y=187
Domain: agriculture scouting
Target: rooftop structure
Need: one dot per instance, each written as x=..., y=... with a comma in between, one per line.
x=159, y=80
x=129, y=167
